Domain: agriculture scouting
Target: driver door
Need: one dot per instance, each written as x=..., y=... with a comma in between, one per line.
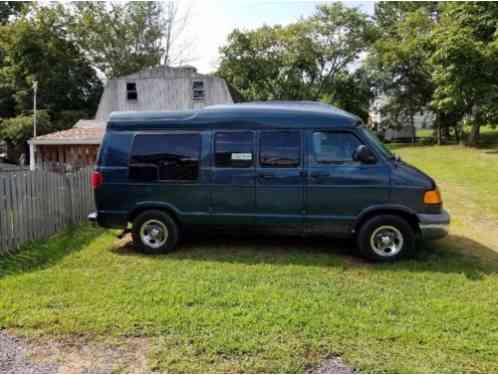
x=339, y=188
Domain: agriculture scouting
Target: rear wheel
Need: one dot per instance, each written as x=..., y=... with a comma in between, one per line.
x=386, y=238
x=155, y=232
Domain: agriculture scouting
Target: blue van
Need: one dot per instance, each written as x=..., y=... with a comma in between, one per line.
x=300, y=166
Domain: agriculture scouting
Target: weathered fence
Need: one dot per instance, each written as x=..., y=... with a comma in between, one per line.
x=37, y=204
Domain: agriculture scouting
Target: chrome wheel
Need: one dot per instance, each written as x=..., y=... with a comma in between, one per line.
x=386, y=241
x=154, y=233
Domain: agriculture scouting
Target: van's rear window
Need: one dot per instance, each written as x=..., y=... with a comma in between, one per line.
x=165, y=157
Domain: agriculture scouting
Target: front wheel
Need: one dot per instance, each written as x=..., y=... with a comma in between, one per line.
x=155, y=232
x=386, y=238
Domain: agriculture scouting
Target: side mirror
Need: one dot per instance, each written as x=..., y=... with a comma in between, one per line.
x=364, y=155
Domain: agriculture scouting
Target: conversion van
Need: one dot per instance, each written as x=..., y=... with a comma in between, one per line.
x=303, y=166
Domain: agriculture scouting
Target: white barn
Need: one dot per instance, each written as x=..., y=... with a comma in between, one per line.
x=161, y=88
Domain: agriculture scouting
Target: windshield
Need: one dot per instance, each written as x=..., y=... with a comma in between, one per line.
x=377, y=142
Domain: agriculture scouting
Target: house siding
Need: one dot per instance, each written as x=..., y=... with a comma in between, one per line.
x=162, y=89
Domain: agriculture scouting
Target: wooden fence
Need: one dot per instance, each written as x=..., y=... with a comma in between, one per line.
x=37, y=204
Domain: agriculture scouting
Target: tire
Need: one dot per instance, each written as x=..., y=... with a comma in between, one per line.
x=155, y=232
x=386, y=238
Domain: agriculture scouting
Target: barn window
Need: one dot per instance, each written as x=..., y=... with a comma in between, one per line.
x=198, y=92
x=131, y=91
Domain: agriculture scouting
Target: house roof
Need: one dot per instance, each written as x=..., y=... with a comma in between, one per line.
x=89, y=124
x=75, y=136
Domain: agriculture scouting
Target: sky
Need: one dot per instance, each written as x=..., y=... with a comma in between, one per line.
x=211, y=21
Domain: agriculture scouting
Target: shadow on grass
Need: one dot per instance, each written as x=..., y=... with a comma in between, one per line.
x=42, y=254
x=454, y=254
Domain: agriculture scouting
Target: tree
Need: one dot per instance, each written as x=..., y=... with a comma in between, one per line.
x=351, y=92
x=17, y=130
x=466, y=64
x=400, y=60
x=123, y=38
x=388, y=14
x=9, y=9
x=257, y=65
x=311, y=59
x=35, y=48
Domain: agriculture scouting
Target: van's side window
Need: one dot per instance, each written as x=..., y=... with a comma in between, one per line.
x=334, y=147
x=234, y=150
x=165, y=157
x=280, y=149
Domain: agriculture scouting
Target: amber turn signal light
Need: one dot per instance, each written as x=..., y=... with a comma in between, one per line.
x=432, y=197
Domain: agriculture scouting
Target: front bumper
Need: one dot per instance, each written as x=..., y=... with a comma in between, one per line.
x=434, y=226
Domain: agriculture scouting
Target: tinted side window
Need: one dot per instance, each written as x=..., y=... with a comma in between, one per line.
x=280, y=149
x=165, y=157
x=331, y=147
x=234, y=150
x=115, y=149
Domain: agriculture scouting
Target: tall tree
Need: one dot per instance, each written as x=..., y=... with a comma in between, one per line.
x=400, y=59
x=34, y=47
x=124, y=37
x=305, y=60
x=466, y=64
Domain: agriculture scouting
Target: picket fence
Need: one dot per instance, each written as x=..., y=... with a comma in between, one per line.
x=36, y=204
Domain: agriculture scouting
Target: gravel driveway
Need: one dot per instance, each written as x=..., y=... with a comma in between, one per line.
x=13, y=357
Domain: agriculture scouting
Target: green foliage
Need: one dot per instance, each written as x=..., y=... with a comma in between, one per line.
x=352, y=92
x=66, y=119
x=9, y=9
x=400, y=60
x=440, y=57
x=17, y=130
x=36, y=47
x=308, y=60
x=388, y=14
x=7, y=100
x=120, y=38
x=466, y=63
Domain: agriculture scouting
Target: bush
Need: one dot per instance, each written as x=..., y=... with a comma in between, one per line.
x=17, y=130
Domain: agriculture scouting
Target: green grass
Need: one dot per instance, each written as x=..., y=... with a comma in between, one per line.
x=465, y=173
x=424, y=133
x=279, y=304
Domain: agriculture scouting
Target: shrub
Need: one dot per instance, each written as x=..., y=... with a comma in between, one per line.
x=17, y=130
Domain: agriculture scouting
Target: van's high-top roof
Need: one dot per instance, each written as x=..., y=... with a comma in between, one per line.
x=298, y=114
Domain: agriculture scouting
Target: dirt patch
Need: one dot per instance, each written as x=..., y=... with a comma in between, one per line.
x=14, y=358
x=77, y=355
x=73, y=355
x=332, y=365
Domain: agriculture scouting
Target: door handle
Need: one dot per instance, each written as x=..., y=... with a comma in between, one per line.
x=266, y=175
x=319, y=174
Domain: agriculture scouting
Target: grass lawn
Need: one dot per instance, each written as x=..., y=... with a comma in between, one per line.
x=280, y=304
